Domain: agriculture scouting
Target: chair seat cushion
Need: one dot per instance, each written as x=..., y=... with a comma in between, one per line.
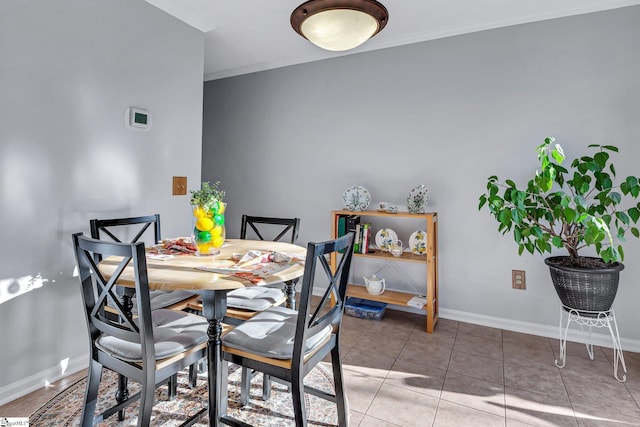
x=271, y=334
x=254, y=298
x=173, y=332
x=163, y=299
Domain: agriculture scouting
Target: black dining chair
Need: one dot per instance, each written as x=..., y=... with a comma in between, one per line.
x=287, y=344
x=244, y=303
x=133, y=230
x=149, y=347
x=275, y=230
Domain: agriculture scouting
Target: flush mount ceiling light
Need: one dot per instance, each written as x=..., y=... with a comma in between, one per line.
x=339, y=24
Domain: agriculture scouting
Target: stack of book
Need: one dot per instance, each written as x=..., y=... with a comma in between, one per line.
x=351, y=223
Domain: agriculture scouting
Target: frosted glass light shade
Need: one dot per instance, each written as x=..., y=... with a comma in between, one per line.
x=339, y=25
x=339, y=29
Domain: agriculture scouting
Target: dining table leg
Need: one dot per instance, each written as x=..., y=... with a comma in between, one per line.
x=214, y=306
x=290, y=292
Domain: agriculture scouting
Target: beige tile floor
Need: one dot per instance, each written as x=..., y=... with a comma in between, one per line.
x=463, y=375
x=469, y=375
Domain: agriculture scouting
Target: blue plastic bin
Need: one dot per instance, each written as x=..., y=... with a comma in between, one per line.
x=364, y=309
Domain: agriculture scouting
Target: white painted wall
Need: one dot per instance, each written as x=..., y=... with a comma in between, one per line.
x=447, y=114
x=68, y=70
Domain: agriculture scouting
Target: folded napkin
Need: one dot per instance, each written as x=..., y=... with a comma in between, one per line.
x=255, y=266
x=417, y=302
x=256, y=256
x=180, y=246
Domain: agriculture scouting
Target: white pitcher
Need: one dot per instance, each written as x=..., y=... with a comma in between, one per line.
x=375, y=286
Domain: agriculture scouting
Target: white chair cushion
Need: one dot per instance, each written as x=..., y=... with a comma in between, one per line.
x=173, y=332
x=271, y=334
x=254, y=298
x=163, y=299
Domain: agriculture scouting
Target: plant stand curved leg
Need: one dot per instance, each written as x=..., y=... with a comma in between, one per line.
x=617, y=349
x=563, y=338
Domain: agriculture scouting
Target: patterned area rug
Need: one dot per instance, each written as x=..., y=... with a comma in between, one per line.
x=65, y=409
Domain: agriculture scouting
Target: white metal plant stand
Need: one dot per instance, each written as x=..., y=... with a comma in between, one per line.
x=591, y=319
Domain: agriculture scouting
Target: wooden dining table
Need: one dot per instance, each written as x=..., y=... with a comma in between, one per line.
x=212, y=276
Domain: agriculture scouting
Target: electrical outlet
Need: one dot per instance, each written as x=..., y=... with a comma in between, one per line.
x=518, y=279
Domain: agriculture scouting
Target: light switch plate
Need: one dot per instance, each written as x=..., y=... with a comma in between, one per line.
x=179, y=185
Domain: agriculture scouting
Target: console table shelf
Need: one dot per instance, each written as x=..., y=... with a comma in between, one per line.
x=429, y=259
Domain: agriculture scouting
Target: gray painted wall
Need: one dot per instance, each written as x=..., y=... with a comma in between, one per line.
x=447, y=114
x=68, y=70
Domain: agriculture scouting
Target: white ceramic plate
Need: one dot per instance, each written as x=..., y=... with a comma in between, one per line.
x=356, y=198
x=384, y=237
x=418, y=242
x=418, y=199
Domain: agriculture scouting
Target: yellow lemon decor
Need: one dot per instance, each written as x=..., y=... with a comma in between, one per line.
x=204, y=223
x=208, y=217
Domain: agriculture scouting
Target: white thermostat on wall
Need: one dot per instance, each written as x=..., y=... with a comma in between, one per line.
x=138, y=118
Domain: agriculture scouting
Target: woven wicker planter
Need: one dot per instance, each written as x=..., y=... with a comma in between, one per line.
x=585, y=288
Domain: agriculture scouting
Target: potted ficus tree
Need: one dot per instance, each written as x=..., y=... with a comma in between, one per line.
x=571, y=208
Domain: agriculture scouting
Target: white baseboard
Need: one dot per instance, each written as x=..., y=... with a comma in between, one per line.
x=575, y=335
x=41, y=379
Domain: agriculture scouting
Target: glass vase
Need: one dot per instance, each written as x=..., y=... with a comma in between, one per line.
x=208, y=227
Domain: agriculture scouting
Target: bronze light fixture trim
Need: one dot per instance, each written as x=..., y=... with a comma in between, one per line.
x=339, y=25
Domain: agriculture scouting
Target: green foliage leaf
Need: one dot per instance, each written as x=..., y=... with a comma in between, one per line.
x=623, y=217
x=207, y=194
x=536, y=231
x=634, y=214
x=505, y=217
x=601, y=159
x=569, y=214
x=630, y=185
x=557, y=241
x=615, y=197
x=529, y=247
x=557, y=155
x=483, y=201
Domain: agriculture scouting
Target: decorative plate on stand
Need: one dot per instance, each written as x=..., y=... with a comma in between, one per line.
x=385, y=237
x=418, y=242
x=356, y=198
x=418, y=199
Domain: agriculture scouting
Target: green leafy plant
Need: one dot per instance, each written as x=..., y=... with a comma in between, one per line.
x=567, y=208
x=207, y=195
